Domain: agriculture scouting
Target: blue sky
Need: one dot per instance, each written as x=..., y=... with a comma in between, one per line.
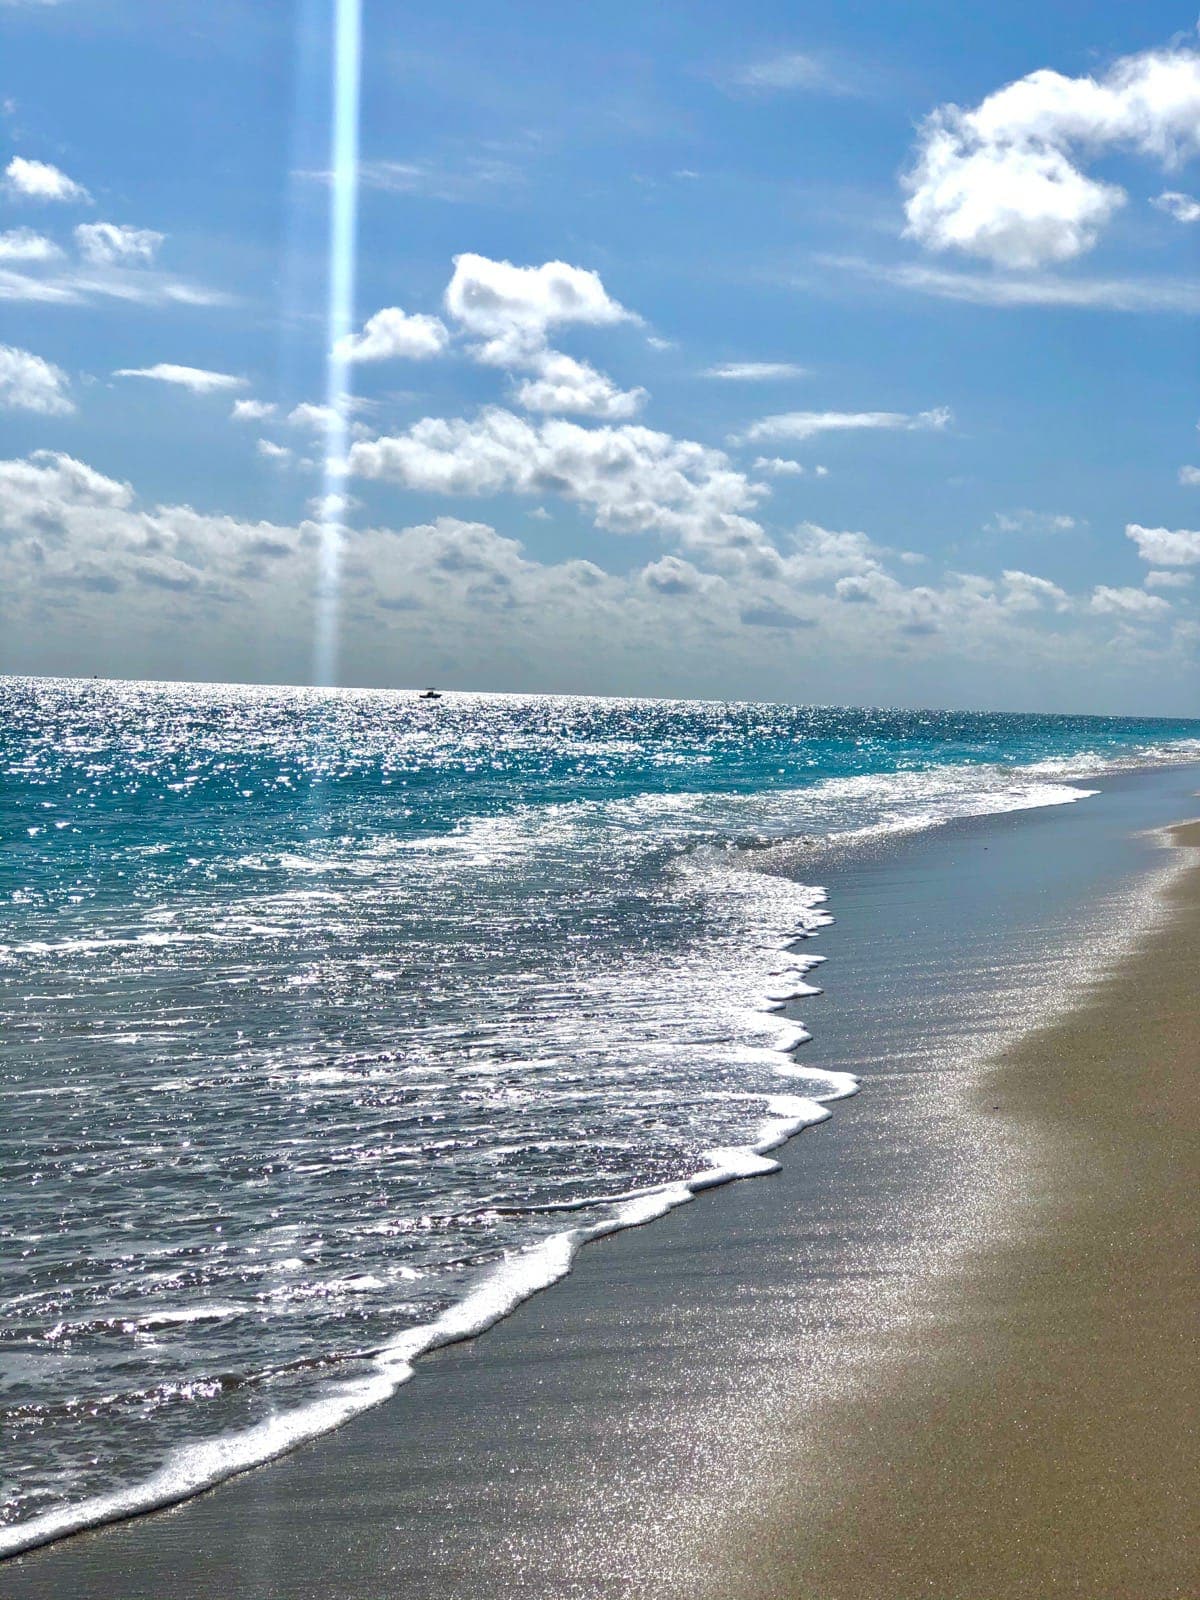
x=735, y=351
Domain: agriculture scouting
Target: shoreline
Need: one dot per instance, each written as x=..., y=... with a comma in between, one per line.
x=714, y=1286
x=1030, y=1431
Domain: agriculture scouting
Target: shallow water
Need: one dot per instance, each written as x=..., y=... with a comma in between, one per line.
x=333, y=1021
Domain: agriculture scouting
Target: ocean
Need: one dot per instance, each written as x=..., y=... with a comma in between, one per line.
x=335, y=1022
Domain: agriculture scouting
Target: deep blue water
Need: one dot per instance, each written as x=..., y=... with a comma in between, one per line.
x=332, y=1021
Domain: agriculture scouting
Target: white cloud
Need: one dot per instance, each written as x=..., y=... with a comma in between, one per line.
x=1034, y=289
x=755, y=371
x=22, y=244
x=111, y=244
x=1167, y=580
x=38, y=180
x=1001, y=182
x=198, y=379
x=782, y=467
x=564, y=384
x=1026, y=521
x=474, y=178
x=790, y=69
x=28, y=383
x=1183, y=207
x=270, y=451
x=1165, y=547
x=331, y=507
x=253, y=410
x=1025, y=592
x=807, y=424
x=1134, y=605
x=1189, y=476
x=392, y=333
x=513, y=308
x=632, y=479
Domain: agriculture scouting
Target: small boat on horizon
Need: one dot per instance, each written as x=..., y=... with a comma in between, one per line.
x=430, y=694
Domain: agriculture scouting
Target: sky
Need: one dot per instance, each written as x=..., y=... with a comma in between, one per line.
x=790, y=352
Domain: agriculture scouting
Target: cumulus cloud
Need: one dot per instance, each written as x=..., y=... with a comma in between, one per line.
x=71, y=527
x=1183, y=207
x=253, y=410
x=22, y=244
x=754, y=371
x=1134, y=605
x=1168, y=580
x=28, y=383
x=71, y=538
x=1025, y=592
x=513, y=308
x=1002, y=182
x=113, y=244
x=270, y=451
x=198, y=379
x=38, y=180
x=783, y=467
x=807, y=424
x=393, y=333
x=1165, y=547
x=564, y=384
x=632, y=479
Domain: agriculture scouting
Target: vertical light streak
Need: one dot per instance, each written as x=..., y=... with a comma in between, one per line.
x=343, y=240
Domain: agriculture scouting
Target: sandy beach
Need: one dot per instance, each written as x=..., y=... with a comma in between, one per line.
x=869, y=1376
x=1034, y=1431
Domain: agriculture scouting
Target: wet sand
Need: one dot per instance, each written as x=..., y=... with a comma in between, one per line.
x=740, y=1401
x=1035, y=1431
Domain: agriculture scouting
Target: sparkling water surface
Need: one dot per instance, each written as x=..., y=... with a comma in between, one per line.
x=325, y=1015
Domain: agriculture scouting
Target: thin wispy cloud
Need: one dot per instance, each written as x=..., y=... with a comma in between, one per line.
x=472, y=179
x=788, y=71
x=198, y=379
x=1177, y=295
x=801, y=425
x=754, y=371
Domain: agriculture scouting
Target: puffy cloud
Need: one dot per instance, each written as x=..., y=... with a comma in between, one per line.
x=631, y=478
x=564, y=384
x=782, y=467
x=270, y=451
x=1165, y=547
x=38, y=180
x=253, y=410
x=513, y=308
x=1168, y=580
x=392, y=333
x=112, y=244
x=1133, y=605
x=807, y=424
x=1183, y=207
x=198, y=379
x=1189, y=476
x=1001, y=182
x=1028, y=593
x=452, y=591
x=22, y=244
x=28, y=383
x=64, y=525
x=754, y=371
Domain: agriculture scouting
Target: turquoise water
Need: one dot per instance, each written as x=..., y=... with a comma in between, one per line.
x=334, y=1021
